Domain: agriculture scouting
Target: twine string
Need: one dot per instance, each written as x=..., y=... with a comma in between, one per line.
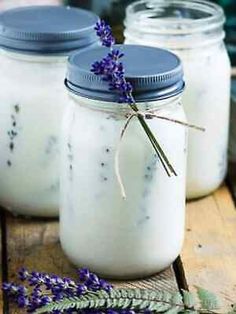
x=146, y=115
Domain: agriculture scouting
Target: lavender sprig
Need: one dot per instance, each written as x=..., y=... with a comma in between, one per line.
x=43, y=289
x=101, y=298
x=112, y=71
x=103, y=31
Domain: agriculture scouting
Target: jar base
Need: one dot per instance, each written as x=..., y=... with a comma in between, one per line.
x=193, y=196
x=135, y=276
x=25, y=211
x=119, y=275
x=132, y=277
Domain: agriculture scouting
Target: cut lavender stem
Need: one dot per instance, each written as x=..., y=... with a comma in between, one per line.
x=112, y=71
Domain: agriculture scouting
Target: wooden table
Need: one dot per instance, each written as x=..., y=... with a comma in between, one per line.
x=208, y=258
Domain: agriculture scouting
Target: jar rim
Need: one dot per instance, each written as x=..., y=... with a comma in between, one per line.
x=213, y=16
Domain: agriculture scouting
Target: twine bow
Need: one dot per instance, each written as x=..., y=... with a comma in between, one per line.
x=144, y=115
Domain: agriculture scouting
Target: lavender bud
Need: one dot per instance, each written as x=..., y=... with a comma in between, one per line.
x=84, y=274
x=81, y=289
x=23, y=274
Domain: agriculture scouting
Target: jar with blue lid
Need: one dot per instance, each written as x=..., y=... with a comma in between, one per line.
x=142, y=234
x=34, y=45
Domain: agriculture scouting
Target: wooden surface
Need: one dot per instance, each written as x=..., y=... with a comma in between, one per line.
x=231, y=179
x=1, y=300
x=35, y=244
x=208, y=257
x=209, y=254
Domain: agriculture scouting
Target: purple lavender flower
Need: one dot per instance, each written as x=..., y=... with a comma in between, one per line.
x=81, y=289
x=104, y=285
x=14, y=290
x=45, y=288
x=83, y=274
x=16, y=293
x=92, y=281
x=110, y=311
x=110, y=67
x=36, y=279
x=103, y=30
x=23, y=274
x=22, y=301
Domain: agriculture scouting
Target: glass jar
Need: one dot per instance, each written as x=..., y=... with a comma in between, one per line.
x=32, y=69
x=193, y=30
x=142, y=234
x=6, y=4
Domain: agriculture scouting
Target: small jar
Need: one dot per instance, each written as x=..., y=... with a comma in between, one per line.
x=194, y=31
x=142, y=234
x=35, y=43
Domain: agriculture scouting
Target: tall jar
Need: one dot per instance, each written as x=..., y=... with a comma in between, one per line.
x=194, y=31
x=142, y=234
x=34, y=46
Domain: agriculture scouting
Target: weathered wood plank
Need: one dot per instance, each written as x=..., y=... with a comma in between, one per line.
x=1, y=260
x=35, y=245
x=231, y=178
x=209, y=255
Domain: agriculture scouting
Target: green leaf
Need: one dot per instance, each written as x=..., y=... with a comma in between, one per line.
x=177, y=298
x=208, y=300
x=166, y=296
x=188, y=299
x=136, y=299
x=174, y=310
x=160, y=307
x=109, y=303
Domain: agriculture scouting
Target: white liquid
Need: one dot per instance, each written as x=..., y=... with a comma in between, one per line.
x=206, y=102
x=32, y=99
x=114, y=237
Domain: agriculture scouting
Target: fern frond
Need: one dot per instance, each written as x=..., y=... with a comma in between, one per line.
x=208, y=300
x=135, y=299
x=188, y=299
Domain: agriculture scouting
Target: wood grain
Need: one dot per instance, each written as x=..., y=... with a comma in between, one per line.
x=231, y=179
x=209, y=255
x=1, y=297
x=35, y=245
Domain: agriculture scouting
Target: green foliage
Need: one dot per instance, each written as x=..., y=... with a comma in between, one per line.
x=135, y=299
x=188, y=299
x=140, y=300
x=208, y=300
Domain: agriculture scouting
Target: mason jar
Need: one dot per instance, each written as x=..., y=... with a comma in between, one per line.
x=194, y=31
x=34, y=45
x=143, y=233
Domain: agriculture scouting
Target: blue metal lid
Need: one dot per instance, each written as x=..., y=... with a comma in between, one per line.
x=154, y=73
x=47, y=29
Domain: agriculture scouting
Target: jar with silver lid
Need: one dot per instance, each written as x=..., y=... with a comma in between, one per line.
x=194, y=31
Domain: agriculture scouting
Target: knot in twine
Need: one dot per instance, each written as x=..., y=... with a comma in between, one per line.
x=144, y=115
